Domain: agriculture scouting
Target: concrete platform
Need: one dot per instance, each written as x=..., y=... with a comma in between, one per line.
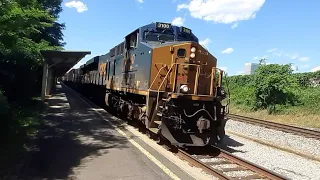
x=76, y=143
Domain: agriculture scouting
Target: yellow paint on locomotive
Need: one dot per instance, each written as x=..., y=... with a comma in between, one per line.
x=102, y=68
x=164, y=59
x=186, y=72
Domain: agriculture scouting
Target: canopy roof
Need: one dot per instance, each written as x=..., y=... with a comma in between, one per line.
x=62, y=61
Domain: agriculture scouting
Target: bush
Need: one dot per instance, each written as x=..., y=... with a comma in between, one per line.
x=273, y=84
x=274, y=88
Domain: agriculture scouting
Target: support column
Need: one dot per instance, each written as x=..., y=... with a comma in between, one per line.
x=44, y=80
x=49, y=82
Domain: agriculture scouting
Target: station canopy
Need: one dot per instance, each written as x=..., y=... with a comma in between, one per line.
x=62, y=61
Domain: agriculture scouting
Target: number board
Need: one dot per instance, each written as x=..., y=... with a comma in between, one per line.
x=163, y=25
x=186, y=30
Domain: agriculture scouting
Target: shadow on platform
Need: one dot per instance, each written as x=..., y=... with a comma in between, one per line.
x=71, y=132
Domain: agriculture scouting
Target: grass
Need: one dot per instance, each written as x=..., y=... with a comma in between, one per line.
x=21, y=126
x=305, y=114
x=298, y=118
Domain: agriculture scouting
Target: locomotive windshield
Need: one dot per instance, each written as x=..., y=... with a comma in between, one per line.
x=185, y=34
x=164, y=35
x=186, y=37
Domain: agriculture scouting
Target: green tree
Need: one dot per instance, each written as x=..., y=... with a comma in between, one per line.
x=52, y=34
x=22, y=36
x=26, y=27
x=272, y=86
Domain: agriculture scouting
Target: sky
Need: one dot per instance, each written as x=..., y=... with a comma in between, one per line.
x=234, y=31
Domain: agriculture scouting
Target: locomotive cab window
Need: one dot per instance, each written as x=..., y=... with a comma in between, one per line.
x=181, y=53
x=158, y=35
x=186, y=37
x=133, y=41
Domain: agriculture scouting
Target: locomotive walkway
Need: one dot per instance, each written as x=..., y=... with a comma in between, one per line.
x=76, y=143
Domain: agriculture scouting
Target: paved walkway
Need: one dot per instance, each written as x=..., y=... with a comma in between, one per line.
x=76, y=144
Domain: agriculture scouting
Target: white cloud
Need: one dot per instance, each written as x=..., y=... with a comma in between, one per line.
x=315, y=69
x=205, y=42
x=258, y=58
x=272, y=50
x=78, y=5
x=293, y=56
x=234, y=25
x=304, y=59
x=178, y=21
x=305, y=66
x=140, y=1
x=227, y=51
x=277, y=52
x=223, y=11
x=182, y=6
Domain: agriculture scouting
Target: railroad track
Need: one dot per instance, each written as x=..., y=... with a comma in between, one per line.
x=210, y=161
x=273, y=125
x=225, y=165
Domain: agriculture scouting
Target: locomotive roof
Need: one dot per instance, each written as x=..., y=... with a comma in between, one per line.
x=93, y=60
x=150, y=26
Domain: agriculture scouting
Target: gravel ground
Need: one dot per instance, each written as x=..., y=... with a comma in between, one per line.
x=278, y=138
x=284, y=163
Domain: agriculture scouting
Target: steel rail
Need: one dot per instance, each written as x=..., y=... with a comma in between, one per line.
x=273, y=125
x=195, y=162
x=254, y=167
x=260, y=172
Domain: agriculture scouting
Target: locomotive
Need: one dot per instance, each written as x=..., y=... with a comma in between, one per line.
x=162, y=77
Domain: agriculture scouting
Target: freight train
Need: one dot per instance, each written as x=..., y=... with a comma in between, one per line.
x=161, y=76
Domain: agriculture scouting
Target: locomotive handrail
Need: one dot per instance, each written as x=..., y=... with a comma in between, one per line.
x=154, y=80
x=196, y=79
x=212, y=81
x=173, y=64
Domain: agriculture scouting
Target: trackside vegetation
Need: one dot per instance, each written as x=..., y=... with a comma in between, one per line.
x=26, y=27
x=275, y=93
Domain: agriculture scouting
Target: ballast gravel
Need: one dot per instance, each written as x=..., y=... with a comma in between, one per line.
x=287, y=164
x=278, y=138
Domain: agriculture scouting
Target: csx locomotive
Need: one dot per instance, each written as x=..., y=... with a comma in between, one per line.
x=161, y=76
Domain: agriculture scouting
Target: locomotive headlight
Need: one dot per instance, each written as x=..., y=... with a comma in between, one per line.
x=193, y=49
x=192, y=55
x=184, y=88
